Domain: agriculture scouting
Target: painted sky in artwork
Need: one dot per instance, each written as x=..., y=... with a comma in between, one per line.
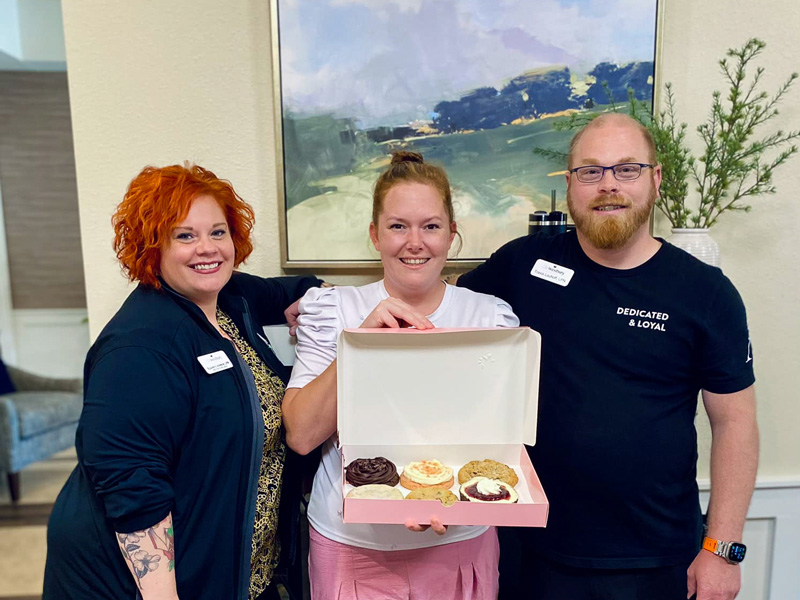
x=388, y=62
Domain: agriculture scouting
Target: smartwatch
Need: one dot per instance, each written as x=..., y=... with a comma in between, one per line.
x=733, y=552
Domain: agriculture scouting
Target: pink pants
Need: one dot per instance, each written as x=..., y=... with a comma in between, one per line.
x=464, y=570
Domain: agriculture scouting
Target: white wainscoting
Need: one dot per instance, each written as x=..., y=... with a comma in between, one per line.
x=51, y=342
x=771, y=570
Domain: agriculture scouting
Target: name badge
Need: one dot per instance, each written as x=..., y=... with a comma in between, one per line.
x=215, y=362
x=552, y=272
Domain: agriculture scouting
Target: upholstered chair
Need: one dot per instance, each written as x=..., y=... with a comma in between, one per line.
x=37, y=420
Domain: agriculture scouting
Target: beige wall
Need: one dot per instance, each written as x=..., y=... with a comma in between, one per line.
x=158, y=83
x=760, y=250
x=154, y=83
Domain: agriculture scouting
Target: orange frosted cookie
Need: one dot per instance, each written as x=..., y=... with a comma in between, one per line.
x=426, y=473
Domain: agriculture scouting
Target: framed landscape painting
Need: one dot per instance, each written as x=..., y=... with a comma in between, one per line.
x=474, y=86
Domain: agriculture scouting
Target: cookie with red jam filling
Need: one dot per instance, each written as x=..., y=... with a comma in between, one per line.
x=489, y=491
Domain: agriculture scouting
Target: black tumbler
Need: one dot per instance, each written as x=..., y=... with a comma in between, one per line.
x=558, y=222
x=537, y=221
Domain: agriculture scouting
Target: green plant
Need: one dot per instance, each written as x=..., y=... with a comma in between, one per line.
x=735, y=164
x=677, y=163
x=675, y=160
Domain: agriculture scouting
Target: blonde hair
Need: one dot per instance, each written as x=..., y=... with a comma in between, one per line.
x=411, y=167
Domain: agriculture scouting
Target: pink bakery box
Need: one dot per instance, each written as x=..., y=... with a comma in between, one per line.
x=455, y=395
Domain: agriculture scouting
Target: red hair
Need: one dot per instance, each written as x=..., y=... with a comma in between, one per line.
x=157, y=200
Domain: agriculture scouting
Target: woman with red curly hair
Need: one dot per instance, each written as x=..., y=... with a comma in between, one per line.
x=180, y=447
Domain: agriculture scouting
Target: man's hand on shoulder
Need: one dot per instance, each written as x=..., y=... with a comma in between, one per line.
x=712, y=578
x=291, y=314
x=293, y=311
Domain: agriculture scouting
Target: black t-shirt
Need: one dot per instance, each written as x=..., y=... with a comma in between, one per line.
x=624, y=354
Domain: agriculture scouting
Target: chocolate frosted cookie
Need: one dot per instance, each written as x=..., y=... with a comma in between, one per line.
x=364, y=471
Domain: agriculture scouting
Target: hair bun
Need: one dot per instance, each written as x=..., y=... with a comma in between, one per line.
x=405, y=156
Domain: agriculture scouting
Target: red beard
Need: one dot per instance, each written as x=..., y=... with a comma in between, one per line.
x=611, y=232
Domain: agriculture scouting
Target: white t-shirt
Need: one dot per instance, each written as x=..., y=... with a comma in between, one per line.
x=324, y=312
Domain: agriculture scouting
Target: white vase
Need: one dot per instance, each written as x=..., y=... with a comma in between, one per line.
x=698, y=243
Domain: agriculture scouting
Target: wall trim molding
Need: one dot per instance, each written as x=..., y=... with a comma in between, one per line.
x=50, y=316
x=762, y=483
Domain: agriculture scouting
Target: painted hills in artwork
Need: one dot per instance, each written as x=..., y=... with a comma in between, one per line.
x=484, y=139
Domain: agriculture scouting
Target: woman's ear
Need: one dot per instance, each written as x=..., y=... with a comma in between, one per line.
x=373, y=235
x=453, y=231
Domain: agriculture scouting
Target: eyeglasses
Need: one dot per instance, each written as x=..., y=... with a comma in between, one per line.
x=622, y=172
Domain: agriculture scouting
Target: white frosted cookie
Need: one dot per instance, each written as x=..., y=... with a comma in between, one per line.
x=376, y=491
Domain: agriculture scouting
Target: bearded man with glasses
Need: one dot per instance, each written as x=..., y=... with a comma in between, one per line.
x=632, y=330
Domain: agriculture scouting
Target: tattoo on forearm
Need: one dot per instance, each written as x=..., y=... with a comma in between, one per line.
x=165, y=542
x=143, y=562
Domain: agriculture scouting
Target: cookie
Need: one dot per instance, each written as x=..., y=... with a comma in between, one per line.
x=376, y=491
x=489, y=491
x=488, y=468
x=444, y=496
x=365, y=471
x=426, y=473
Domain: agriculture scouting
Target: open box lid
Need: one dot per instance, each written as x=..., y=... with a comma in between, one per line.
x=438, y=386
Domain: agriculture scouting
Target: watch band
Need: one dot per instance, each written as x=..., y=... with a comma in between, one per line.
x=723, y=549
x=711, y=545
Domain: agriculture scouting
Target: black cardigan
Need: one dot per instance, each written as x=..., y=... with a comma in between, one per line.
x=158, y=435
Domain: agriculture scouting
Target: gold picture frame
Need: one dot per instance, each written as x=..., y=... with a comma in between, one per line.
x=328, y=155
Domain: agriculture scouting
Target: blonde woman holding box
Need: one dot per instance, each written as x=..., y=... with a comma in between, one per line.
x=412, y=227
